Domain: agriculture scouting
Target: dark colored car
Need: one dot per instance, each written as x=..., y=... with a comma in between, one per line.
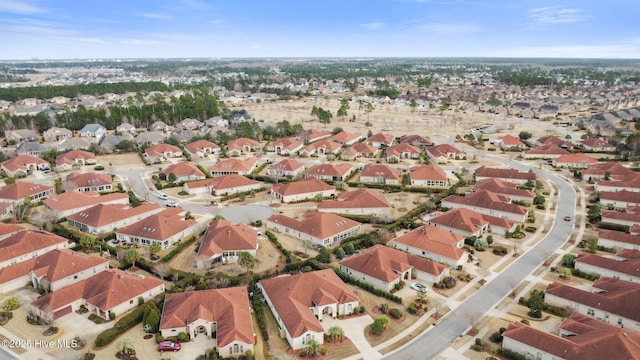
x=169, y=346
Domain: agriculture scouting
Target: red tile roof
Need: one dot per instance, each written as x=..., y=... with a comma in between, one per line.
x=104, y=214
x=596, y=143
x=200, y=145
x=578, y=158
x=160, y=149
x=27, y=241
x=21, y=189
x=613, y=168
x=338, y=170
x=614, y=296
x=434, y=240
x=386, y=264
x=484, y=171
x=547, y=150
x=88, y=179
x=590, y=339
x=71, y=156
x=618, y=215
x=234, y=164
x=487, y=200
x=320, y=225
x=619, y=236
x=398, y=149
x=443, y=150
x=21, y=162
x=293, y=295
x=499, y=186
x=358, y=199
x=228, y=308
x=626, y=262
x=323, y=144
x=345, y=137
x=376, y=170
x=183, y=168
x=416, y=140
x=61, y=263
x=360, y=148
x=287, y=143
x=383, y=138
x=510, y=140
x=221, y=236
x=305, y=186
x=104, y=290
x=469, y=220
x=287, y=165
x=427, y=172
x=159, y=226
x=75, y=199
x=239, y=143
x=622, y=195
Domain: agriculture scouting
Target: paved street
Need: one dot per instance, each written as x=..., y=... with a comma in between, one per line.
x=430, y=343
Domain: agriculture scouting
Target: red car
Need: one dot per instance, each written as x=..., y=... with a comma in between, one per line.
x=567, y=218
x=168, y=346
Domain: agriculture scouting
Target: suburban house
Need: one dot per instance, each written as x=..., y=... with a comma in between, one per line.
x=74, y=158
x=126, y=128
x=574, y=161
x=597, y=144
x=150, y=138
x=15, y=136
x=234, y=166
x=202, y=148
x=223, y=315
x=381, y=139
x=24, y=245
x=364, y=201
x=433, y=243
x=430, y=175
x=285, y=146
x=9, y=229
x=331, y=172
x=444, y=152
x=189, y=124
x=112, y=291
x=505, y=188
x=67, y=144
x=629, y=182
x=6, y=210
x=22, y=165
x=544, y=152
x=161, y=152
x=56, y=134
x=286, y=168
x=347, y=138
x=51, y=271
x=383, y=267
x=552, y=140
x=16, y=193
x=380, y=174
x=242, y=145
x=159, y=126
x=223, y=242
x=509, y=142
x=402, y=151
x=166, y=228
x=95, y=131
x=71, y=202
x=300, y=301
x=488, y=203
x=606, y=170
x=184, y=171
x=619, y=199
x=301, y=190
x=620, y=218
x=416, y=140
x=222, y=185
x=88, y=182
x=624, y=265
x=609, y=300
x=580, y=337
x=469, y=223
x=612, y=239
x=30, y=148
x=103, y=218
x=357, y=150
x=312, y=135
x=323, y=147
x=323, y=229
x=504, y=174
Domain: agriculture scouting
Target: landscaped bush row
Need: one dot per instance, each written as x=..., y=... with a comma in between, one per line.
x=242, y=194
x=611, y=226
x=204, y=171
x=407, y=221
x=181, y=245
x=368, y=219
x=511, y=355
x=125, y=323
x=289, y=257
x=368, y=287
x=585, y=275
x=258, y=311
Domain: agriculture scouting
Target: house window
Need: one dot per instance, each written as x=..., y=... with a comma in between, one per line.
x=75, y=277
x=620, y=321
x=591, y=312
x=130, y=301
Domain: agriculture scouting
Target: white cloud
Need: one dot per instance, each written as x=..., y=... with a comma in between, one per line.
x=20, y=7
x=374, y=26
x=89, y=40
x=157, y=16
x=557, y=15
x=138, y=42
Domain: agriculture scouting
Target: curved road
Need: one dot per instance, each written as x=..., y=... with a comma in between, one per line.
x=236, y=213
x=432, y=342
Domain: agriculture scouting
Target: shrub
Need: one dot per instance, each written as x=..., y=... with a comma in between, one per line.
x=383, y=307
x=496, y=337
x=412, y=309
x=183, y=337
x=159, y=338
x=379, y=325
x=525, y=321
x=530, y=229
x=395, y=313
x=303, y=352
x=112, y=316
x=500, y=250
x=361, y=310
x=98, y=168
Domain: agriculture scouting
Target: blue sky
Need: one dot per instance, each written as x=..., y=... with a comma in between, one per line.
x=63, y=29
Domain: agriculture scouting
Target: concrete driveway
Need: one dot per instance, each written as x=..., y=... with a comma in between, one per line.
x=354, y=330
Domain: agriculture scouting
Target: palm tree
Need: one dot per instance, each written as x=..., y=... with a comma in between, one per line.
x=125, y=345
x=312, y=347
x=335, y=333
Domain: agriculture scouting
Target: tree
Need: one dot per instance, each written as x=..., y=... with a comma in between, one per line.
x=87, y=241
x=161, y=269
x=335, y=333
x=313, y=347
x=536, y=303
x=368, y=109
x=594, y=214
x=379, y=325
x=58, y=186
x=422, y=295
x=11, y=303
x=172, y=178
x=124, y=346
x=9, y=180
x=151, y=319
x=569, y=260
x=344, y=106
x=22, y=209
x=155, y=248
x=539, y=200
x=481, y=244
x=246, y=260
x=565, y=273
x=131, y=256
x=525, y=135
x=324, y=255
